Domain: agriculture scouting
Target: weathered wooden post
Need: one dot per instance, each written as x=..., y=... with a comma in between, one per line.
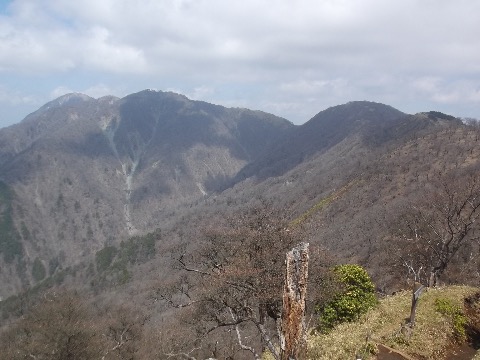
x=416, y=292
x=293, y=337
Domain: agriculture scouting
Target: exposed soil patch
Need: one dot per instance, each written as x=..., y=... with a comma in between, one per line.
x=472, y=310
x=461, y=352
x=468, y=350
x=386, y=353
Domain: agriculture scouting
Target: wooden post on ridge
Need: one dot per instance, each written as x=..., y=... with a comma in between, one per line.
x=416, y=292
x=293, y=336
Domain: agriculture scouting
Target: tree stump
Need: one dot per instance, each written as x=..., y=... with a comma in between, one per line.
x=293, y=341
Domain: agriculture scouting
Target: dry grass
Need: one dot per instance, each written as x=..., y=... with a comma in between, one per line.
x=385, y=325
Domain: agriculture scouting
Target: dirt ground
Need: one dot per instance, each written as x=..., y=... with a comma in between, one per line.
x=462, y=352
x=385, y=353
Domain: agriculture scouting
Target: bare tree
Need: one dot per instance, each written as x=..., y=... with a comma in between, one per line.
x=235, y=281
x=122, y=331
x=473, y=122
x=66, y=325
x=57, y=328
x=439, y=226
x=417, y=289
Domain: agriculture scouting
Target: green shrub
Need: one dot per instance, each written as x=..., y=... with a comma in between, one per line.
x=104, y=257
x=10, y=244
x=357, y=297
x=113, y=263
x=138, y=249
x=456, y=315
x=38, y=270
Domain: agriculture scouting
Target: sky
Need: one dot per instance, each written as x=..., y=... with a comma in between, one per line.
x=292, y=58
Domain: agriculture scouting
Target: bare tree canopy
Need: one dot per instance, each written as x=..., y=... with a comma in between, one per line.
x=233, y=285
x=439, y=226
x=64, y=325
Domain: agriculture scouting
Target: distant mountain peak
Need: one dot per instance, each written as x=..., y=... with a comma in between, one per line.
x=366, y=104
x=67, y=99
x=108, y=99
x=159, y=93
x=75, y=96
x=363, y=102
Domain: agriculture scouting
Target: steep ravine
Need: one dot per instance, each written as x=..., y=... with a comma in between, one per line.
x=128, y=162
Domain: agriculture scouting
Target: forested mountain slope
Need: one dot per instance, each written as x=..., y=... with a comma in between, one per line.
x=82, y=173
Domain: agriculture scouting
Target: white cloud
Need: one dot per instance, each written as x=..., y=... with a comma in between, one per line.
x=59, y=91
x=158, y=35
x=427, y=84
x=99, y=90
x=9, y=97
x=449, y=92
x=316, y=87
x=94, y=91
x=202, y=92
x=100, y=52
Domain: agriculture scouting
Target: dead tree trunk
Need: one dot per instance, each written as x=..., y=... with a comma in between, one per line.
x=293, y=341
x=417, y=291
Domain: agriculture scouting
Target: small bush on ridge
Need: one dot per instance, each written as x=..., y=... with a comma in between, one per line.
x=356, y=298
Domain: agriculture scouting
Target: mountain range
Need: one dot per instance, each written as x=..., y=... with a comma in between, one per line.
x=81, y=175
